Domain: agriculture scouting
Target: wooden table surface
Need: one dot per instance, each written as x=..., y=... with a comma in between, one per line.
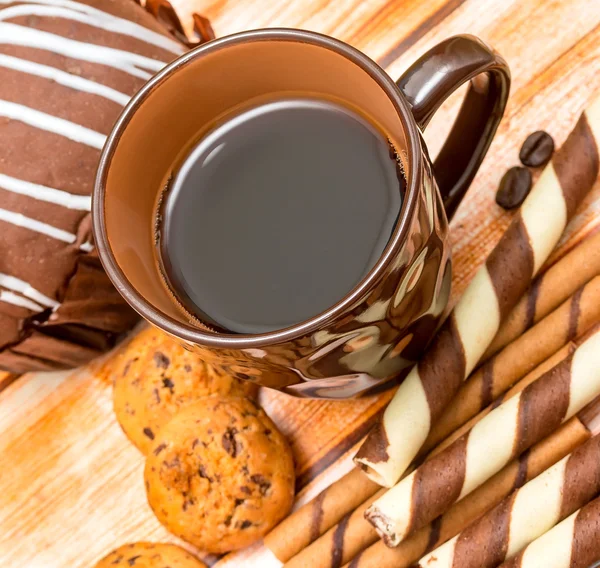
x=70, y=483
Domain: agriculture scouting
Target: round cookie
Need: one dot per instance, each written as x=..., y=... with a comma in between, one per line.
x=154, y=376
x=220, y=474
x=149, y=555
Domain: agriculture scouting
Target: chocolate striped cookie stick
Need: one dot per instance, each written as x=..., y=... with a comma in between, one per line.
x=309, y=534
x=340, y=543
x=574, y=317
x=503, y=434
x=525, y=515
x=570, y=320
x=530, y=464
x=354, y=533
x=573, y=543
x=540, y=370
x=549, y=290
x=310, y=521
x=497, y=287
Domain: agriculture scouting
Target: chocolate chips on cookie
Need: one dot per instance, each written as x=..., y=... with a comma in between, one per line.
x=220, y=475
x=149, y=555
x=154, y=376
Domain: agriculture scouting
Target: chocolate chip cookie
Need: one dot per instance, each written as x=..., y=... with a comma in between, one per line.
x=154, y=376
x=150, y=555
x=220, y=475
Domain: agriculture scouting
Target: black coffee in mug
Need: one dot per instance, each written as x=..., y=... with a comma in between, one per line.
x=275, y=214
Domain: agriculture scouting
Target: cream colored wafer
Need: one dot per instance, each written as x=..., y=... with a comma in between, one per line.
x=489, y=298
x=293, y=537
x=573, y=543
x=353, y=533
x=541, y=369
x=525, y=515
x=540, y=457
x=571, y=319
x=549, y=290
x=503, y=434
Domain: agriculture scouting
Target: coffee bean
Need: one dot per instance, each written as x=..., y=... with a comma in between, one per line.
x=537, y=149
x=514, y=187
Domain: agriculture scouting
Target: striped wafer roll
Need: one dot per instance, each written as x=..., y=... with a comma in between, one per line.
x=573, y=543
x=489, y=298
x=503, y=434
x=311, y=520
x=525, y=515
x=351, y=535
x=353, y=532
x=530, y=464
x=540, y=370
x=570, y=320
x=549, y=290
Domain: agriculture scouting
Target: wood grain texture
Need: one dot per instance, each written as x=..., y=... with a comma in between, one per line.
x=71, y=484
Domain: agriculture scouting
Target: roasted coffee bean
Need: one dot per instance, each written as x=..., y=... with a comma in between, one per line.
x=514, y=187
x=537, y=149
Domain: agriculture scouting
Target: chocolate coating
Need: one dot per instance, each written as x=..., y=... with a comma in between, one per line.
x=576, y=164
x=80, y=314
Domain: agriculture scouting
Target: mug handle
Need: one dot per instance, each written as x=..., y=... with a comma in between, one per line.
x=427, y=84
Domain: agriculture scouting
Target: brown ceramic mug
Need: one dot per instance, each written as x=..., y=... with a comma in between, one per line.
x=377, y=331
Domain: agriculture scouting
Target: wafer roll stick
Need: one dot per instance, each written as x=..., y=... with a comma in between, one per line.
x=310, y=521
x=526, y=514
x=540, y=457
x=573, y=543
x=570, y=320
x=503, y=434
x=351, y=535
x=540, y=370
x=354, y=533
x=497, y=287
x=549, y=290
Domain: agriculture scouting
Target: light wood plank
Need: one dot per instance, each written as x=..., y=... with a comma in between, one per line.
x=71, y=484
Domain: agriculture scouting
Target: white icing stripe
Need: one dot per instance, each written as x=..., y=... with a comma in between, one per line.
x=15, y=300
x=544, y=214
x=96, y=19
x=536, y=508
x=26, y=289
x=112, y=23
x=63, y=78
x=395, y=505
x=86, y=247
x=43, y=193
x=585, y=375
x=552, y=549
x=51, y=123
x=407, y=412
x=490, y=444
x=476, y=333
x=441, y=557
x=26, y=222
x=125, y=61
